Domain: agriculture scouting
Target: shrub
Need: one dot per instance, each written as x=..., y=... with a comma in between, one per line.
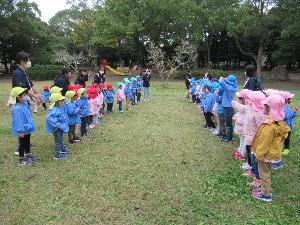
x=198, y=73
x=44, y=72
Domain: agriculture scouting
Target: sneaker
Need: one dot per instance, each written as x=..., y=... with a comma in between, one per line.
x=32, y=158
x=256, y=182
x=60, y=156
x=121, y=111
x=248, y=174
x=234, y=152
x=285, y=151
x=262, y=197
x=77, y=139
x=226, y=140
x=205, y=126
x=92, y=126
x=16, y=153
x=25, y=162
x=277, y=166
x=246, y=166
x=72, y=142
x=216, y=132
x=32, y=146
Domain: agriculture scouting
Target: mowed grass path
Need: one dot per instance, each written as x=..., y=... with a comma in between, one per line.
x=154, y=164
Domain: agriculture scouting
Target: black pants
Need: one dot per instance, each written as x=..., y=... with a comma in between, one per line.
x=193, y=98
x=24, y=146
x=71, y=133
x=209, y=121
x=138, y=96
x=83, y=129
x=90, y=120
x=110, y=107
x=228, y=113
x=248, y=148
x=287, y=141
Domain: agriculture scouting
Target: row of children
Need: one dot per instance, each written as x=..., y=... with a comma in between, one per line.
x=79, y=108
x=264, y=121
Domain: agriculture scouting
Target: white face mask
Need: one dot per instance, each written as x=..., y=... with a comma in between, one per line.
x=28, y=64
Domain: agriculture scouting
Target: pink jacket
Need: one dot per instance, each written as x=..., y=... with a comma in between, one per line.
x=99, y=102
x=239, y=119
x=92, y=107
x=120, y=95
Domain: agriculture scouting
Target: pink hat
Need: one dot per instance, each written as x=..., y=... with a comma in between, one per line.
x=286, y=95
x=276, y=104
x=243, y=93
x=256, y=97
x=269, y=91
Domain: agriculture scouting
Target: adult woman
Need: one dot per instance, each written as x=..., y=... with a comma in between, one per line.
x=82, y=77
x=100, y=76
x=253, y=82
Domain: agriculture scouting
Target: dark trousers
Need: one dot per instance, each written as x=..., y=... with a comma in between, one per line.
x=248, y=148
x=120, y=103
x=287, y=141
x=110, y=107
x=193, y=98
x=209, y=122
x=89, y=120
x=138, y=96
x=83, y=129
x=24, y=146
x=228, y=113
x=71, y=133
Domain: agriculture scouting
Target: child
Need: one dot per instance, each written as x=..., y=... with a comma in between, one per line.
x=57, y=124
x=100, y=100
x=45, y=97
x=229, y=85
x=139, y=88
x=83, y=105
x=209, y=102
x=22, y=125
x=290, y=114
x=120, y=96
x=127, y=92
x=109, y=98
x=268, y=143
x=74, y=117
x=221, y=131
x=239, y=118
x=134, y=88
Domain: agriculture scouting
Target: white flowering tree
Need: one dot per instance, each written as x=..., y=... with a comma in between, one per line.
x=63, y=57
x=184, y=57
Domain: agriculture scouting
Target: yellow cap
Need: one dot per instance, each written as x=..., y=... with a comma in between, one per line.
x=55, y=97
x=55, y=89
x=15, y=92
x=80, y=92
x=70, y=95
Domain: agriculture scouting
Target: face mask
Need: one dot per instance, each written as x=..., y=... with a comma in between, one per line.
x=28, y=64
x=25, y=98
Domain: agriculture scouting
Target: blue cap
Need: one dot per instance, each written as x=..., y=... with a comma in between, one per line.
x=232, y=78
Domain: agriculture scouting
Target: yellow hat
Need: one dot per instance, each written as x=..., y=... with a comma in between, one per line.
x=55, y=97
x=80, y=92
x=15, y=92
x=70, y=95
x=55, y=89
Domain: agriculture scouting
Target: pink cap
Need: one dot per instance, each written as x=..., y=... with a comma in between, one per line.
x=243, y=93
x=287, y=95
x=256, y=97
x=276, y=104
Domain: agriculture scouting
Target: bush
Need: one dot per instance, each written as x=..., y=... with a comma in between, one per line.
x=200, y=73
x=44, y=72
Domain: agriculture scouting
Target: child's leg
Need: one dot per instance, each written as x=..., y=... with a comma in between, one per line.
x=242, y=148
x=265, y=169
x=44, y=105
x=222, y=124
x=229, y=111
x=71, y=133
x=22, y=146
x=95, y=119
x=248, y=149
x=83, y=126
x=287, y=141
x=210, y=118
x=58, y=141
x=254, y=166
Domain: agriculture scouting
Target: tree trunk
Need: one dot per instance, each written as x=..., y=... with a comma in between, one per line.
x=258, y=60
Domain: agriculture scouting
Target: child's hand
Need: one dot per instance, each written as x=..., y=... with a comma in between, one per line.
x=21, y=135
x=294, y=109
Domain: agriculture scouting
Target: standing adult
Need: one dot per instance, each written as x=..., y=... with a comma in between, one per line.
x=146, y=85
x=187, y=82
x=100, y=76
x=63, y=80
x=82, y=77
x=20, y=77
x=253, y=82
x=208, y=77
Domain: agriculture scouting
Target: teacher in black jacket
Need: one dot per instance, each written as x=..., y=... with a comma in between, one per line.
x=253, y=82
x=63, y=80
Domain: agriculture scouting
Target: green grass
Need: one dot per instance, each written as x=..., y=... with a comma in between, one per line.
x=152, y=165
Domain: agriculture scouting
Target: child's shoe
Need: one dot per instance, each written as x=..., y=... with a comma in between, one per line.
x=25, y=162
x=261, y=197
x=234, y=152
x=77, y=139
x=72, y=142
x=277, y=166
x=248, y=174
x=32, y=158
x=256, y=182
x=16, y=153
x=246, y=166
x=60, y=156
x=285, y=152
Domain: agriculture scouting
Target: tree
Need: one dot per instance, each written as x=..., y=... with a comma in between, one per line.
x=68, y=60
x=184, y=57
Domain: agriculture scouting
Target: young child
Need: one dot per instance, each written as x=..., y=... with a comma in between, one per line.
x=83, y=106
x=93, y=109
x=239, y=119
x=127, y=92
x=139, y=88
x=74, y=117
x=229, y=85
x=268, y=143
x=134, y=88
x=209, y=102
x=221, y=131
x=57, y=124
x=45, y=97
x=120, y=96
x=289, y=119
x=22, y=125
x=102, y=93
x=109, y=98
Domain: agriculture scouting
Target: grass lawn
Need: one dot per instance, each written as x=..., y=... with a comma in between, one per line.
x=154, y=164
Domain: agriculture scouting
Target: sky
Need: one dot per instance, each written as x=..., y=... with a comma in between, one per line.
x=49, y=8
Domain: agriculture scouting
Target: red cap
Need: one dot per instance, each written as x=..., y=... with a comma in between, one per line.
x=46, y=88
x=109, y=86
